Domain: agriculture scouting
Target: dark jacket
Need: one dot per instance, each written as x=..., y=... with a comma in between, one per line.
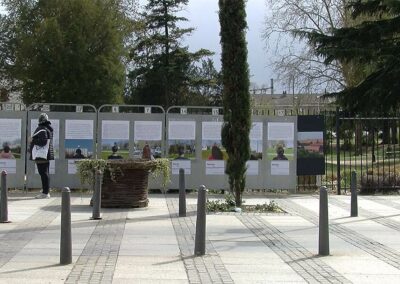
x=42, y=133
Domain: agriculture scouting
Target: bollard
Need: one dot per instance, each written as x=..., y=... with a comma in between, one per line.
x=97, y=196
x=4, y=199
x=323, y=222
x=66, y=240
x=353, y=189
x=182, y=193
x=200, y=238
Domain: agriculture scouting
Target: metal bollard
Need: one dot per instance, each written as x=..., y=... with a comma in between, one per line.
x=66, y=239
x=4, y=199
x=200, y=238
x=97, y=196
x=353, y=189
x=182, y=193
x=323, y=222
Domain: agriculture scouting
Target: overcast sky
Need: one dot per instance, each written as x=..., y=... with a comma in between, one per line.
x=203, y=16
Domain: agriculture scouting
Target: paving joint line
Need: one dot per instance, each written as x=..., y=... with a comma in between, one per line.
x=385, y=202
x=302, y=261
x=370, y=246
x=98, y=260
x=16, y=239
x=368, y=214
x=201, y=269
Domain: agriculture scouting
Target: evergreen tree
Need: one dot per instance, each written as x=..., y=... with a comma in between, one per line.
x=236, y=98
x=160, y=65
x=67, y=51
x=374, y=44
x=205, y=84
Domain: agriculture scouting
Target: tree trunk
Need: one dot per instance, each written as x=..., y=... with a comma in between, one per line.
x=238, y=193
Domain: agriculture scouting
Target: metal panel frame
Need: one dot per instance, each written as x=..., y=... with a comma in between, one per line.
x=61, y=178
x=16, y=111
x=133, y=113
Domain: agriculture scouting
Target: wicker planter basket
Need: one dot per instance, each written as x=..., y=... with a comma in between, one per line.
x=127, y=187
x=125, y=182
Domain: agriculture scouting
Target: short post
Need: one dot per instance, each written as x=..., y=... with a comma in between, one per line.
x=200, y=238
x=323, y=222
x=182, y=193
x=66, y=239
x=4, y=199
x=97, y=196
x=353, y=189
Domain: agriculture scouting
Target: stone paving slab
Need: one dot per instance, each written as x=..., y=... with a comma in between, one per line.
x=154, y=245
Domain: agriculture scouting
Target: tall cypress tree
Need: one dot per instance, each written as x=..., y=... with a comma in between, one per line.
x=374, y=44
x=236, y=97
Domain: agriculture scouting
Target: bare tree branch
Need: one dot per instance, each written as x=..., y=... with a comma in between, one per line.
x=294, y=60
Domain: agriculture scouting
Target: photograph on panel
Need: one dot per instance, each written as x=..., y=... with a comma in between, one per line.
x=280, y=141
x=114, y=139
x=147, y=140
x=310, y=145
x=10, y=139
x=256, y=141
x=181, y=140
x=79, y=139
x=211, y=144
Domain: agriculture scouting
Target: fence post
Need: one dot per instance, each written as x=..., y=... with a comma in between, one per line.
x=66, y=239
x=97, y=196
x=353, y=188
x=200, y=238
x=182, y=193
x=323, y=222
x=4, y=199
x=338, y=151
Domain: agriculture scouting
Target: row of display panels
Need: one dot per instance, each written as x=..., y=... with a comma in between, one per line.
x=276, y=144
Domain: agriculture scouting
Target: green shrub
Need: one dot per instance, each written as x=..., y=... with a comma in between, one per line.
x=386, y=182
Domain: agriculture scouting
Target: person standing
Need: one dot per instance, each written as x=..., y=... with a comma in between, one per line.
x=42, y=135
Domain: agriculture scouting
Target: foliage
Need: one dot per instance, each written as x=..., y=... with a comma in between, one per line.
x=228, y=205
x=68, y=51
x=371, y=42
x=86, y=168
x=269, y=207
x=386, y=182
x=159, y=64
x=205, y=84
x=296, y=62
x=162, y=169
x=236, y=98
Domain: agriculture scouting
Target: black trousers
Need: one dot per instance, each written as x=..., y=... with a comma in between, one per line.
x=43, y=169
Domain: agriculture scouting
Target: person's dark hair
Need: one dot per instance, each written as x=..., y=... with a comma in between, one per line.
x=114, y=149
x=6, y=149
x=43, y=118
x=78, y=151
x=280, y=150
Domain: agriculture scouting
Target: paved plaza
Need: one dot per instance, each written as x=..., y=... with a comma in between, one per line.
x=154, y=245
